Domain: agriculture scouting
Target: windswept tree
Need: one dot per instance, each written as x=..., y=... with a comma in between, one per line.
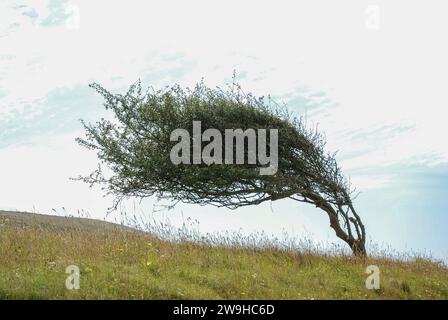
x=135, y=147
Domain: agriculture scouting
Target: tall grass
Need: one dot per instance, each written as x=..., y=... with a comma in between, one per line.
x=182, y=263
x=190, y=232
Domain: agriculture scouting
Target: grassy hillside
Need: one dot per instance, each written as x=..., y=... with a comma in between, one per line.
x=121, y=263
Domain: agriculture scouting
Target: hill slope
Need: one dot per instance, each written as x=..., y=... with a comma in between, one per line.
x=120, y=263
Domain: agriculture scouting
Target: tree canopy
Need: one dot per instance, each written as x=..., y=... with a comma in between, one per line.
x=135, y=146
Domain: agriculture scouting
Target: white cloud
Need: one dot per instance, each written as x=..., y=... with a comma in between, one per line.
x=393, y=77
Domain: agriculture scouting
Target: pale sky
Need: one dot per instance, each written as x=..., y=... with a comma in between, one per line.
x=378, y=93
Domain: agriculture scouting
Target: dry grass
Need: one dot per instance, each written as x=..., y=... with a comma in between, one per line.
x=121, y=263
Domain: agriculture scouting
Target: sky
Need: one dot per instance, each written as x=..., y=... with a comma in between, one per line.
x=371, y=75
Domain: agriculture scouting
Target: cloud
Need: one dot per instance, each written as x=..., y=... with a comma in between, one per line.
x=378, y=97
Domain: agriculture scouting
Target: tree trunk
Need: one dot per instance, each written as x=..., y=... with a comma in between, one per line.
x=357, y=245
x=352, y=230
x=358, y=248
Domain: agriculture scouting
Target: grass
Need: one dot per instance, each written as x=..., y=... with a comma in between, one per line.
x=121, y=263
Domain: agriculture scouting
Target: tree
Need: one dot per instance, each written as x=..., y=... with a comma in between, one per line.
x=135, y=146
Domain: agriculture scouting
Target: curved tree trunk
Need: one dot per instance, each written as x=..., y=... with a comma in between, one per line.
x=345, y=222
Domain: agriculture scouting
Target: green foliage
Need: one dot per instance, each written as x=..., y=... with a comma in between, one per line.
x=136, y=148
